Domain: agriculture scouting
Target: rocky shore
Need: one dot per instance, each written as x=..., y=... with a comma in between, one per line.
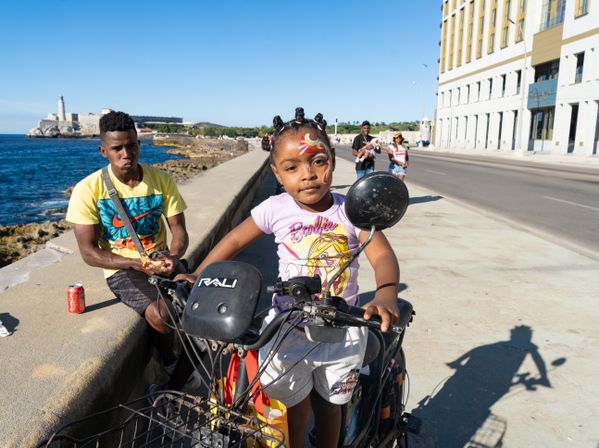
x=21, y=240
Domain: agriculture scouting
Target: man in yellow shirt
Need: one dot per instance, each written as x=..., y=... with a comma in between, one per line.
x=146, y=194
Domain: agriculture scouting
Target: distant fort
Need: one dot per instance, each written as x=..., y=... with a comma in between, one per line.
x=67, y=124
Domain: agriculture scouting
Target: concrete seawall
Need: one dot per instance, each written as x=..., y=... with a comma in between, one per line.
x=57, y=367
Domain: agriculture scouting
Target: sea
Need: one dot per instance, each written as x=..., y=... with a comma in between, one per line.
x=35, y=172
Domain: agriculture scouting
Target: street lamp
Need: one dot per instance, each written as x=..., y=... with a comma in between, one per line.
x=522, y=81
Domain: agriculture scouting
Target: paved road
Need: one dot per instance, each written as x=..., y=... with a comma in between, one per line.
x=559, y=202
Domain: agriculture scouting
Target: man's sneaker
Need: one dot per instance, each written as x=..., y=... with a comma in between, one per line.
x=169, y=368
x=154, y=391
x=3, y=331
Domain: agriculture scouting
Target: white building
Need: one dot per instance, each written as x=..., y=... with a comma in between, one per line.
x=519, y=75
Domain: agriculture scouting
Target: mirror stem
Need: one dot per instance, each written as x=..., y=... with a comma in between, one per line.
x=348, y=262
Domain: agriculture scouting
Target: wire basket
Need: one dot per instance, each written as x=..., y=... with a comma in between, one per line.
x=173, y=420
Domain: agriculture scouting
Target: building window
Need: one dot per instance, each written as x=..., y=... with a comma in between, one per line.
x=460, y=37
x=507, y=7
x=520, y=20
x=573, y=128
x=459, y=95
x=481, y=26
x=518, y=81
x=451, y=41
x=582, y=8
x=470, y=31
x=443, y=44
x=541, y=126
x=467, y=93
x=478, y=91
x=552, y=13
x=492, y=22
x=579, y=67
x=490, y=88
x=546, y=71
x=503, y=85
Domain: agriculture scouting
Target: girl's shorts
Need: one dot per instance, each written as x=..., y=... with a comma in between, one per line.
x=397, y=170
x=299, y=365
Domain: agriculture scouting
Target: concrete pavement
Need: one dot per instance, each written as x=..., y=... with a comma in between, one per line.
x=503, y=347
x=56, y=367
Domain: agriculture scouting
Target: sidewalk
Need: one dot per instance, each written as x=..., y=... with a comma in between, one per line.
x=583, y=164
x=495, y=306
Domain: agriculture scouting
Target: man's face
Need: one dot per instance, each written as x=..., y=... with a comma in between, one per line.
x=365, y=129
x=121, y=148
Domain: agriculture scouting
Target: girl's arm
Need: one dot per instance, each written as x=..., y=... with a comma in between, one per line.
x=232, y=243
x=386, y=273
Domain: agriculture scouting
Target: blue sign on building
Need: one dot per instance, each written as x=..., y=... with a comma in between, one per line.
x=542, y=94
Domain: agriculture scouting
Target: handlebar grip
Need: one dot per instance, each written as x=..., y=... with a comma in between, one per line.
x=359, y=312
x=374, y=321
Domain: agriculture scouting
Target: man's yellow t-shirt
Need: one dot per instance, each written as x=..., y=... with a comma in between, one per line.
x=154, y=196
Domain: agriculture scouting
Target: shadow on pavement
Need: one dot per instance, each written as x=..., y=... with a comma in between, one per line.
x=263, y=252
x=98, y=306
x=459, y=414
x=423, y=199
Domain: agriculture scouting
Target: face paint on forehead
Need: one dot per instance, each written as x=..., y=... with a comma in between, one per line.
x=310, y=145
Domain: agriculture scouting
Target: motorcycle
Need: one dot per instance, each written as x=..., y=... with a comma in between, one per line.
x=217, y=320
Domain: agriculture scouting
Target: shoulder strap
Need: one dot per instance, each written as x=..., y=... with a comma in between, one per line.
x=122, y=213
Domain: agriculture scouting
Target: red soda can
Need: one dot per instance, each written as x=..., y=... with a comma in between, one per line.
x=76, y=298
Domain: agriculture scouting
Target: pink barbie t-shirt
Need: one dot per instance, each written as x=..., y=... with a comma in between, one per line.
x=310, y=243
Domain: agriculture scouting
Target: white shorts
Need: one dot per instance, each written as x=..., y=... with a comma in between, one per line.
x=330, y=368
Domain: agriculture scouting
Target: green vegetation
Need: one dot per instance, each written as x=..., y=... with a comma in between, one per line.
x=217, y=131
x=375, y=128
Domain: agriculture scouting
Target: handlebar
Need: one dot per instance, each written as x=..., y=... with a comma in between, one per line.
x=177, y=290
x=163, y=282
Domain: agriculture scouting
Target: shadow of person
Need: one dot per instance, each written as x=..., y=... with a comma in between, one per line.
x=459, y=414
x=423, y=199
x=9, y=322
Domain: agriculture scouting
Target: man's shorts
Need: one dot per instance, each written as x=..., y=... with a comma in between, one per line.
x=396, y=169
x=300, y=365
x=133, y=289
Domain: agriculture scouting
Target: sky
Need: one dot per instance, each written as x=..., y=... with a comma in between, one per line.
x=234, y=63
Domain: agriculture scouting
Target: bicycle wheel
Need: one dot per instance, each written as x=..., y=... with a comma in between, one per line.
x=174, y=419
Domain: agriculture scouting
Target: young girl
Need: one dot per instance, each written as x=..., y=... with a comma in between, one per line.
x=398, y=155
x=314, y=236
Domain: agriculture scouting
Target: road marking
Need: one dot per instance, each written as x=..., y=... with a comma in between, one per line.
x=572, y=203
x=437, y=172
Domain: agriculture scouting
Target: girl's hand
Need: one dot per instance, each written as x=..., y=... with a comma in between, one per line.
x=187, y=277
x=386, y=309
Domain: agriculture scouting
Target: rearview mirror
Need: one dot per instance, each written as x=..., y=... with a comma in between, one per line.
x=379, y=199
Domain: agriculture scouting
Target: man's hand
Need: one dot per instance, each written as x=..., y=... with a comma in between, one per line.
x=168, y=263
x=385, y=308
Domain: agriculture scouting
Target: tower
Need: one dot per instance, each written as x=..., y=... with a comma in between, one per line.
x=61, y=114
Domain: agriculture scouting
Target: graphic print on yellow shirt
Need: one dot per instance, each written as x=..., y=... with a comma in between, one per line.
x=145, y=215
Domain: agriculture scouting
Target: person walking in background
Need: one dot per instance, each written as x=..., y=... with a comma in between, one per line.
x=398, y=156
x=364, y=150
